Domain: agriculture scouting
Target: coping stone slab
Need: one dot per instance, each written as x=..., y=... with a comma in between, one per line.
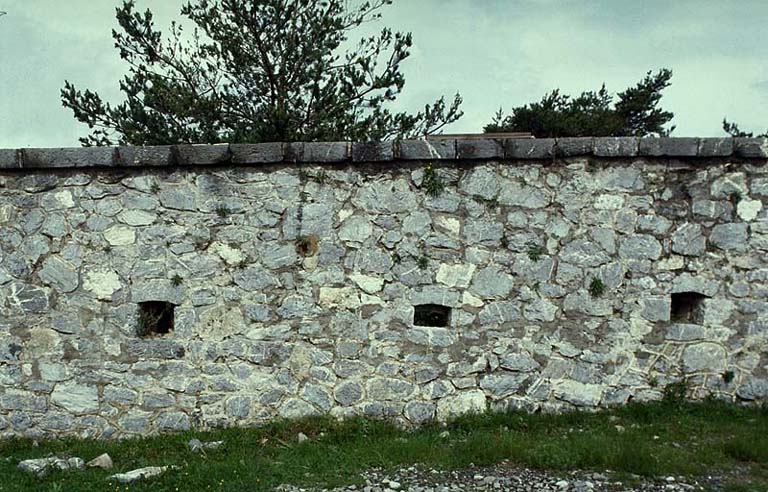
x=715, y=147
x=574, y=146
x=9, y=159
x=201, y=154
x=750, y=147
x=153, y=155
x=670, y=147
x=325, y=152
x=486, y=148
x=530, y=148
x=261, y=153
x=373, y=151
x=616, y=146
x=424, y=150
x=68, y=157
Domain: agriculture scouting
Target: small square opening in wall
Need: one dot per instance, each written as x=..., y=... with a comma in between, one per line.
x=155, y=318
x=433, y=315
x=686, y=307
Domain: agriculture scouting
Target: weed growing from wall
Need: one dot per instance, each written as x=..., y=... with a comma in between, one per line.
x=307, y=245
x=535, y=251
x=223, y=211
x=432, y=183
x=322, y=177
x=489, y=203
x=176, y=280
x=596, y=287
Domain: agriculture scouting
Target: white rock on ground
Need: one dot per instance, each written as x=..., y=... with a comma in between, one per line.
x=42, y=466
x=138, y=474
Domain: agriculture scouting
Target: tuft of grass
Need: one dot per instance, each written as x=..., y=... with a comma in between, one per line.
x=322, y=177
x=177, y=280
x=223, y=211
x=535, y=251
x=596, y=287
x=433, y=184
x=728, y=376
x=687, y=439
x=489, y=203
x=422, y=262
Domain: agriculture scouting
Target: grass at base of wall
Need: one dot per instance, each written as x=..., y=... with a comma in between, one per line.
x=644, y=439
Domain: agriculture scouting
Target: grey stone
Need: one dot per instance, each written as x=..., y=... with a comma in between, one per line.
x=689, y=240
x=640, y=247
x=72, y=157
x=485, y=148
x=499, y=313
x=103, y=461
x=616, y=146
x=751, y=147
x=499, y=386
x=373, y=151
x=177, y=200
x=432, y=336
x=325, y=152
x=729, y=185
x=428, y=149
x=492, y=283
x=514, y=194
x=279, y=256
x=574, y=146
x=262, y=153
x=255, y=278
x=59, y=274
x=10, y=159
x=163, y=155
x=540, y=310
x=158, y=290
x=533, y=148
x=519, y=362
x=656, y=308
x=670, y=147
x=481, y=182
x=419, y=412
x=715, y=147
x=585, y=253
x=29, y=298
x=355, y=229
x=172, y=421
x=754, y=389
x=483, y=232
x=704, y=357
x=138, y=474
x=238, y=407
x=729, y=237
x=43, y=466
x=379, y=389
x=348, y=393
x=201, y=155
x=76, y=398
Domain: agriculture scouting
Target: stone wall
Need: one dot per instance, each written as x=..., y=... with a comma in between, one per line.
x=578, y=273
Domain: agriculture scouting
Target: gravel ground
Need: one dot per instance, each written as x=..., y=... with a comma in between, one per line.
x=504, y=477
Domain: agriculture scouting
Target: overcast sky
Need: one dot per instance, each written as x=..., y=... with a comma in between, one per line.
x=495, y=52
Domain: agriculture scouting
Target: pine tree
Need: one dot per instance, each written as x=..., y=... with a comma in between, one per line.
x=256, y=71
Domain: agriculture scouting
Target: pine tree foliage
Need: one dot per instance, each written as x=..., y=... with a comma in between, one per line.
x=633, y=112
x=256, y=71
x=733, y=130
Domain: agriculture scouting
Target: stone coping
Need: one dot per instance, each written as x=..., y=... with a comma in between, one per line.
x=387, y=151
